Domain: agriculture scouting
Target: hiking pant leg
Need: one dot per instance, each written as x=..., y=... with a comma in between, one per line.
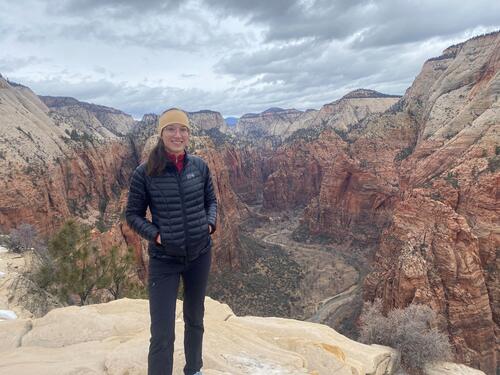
x=163, y=287
x=195, y=284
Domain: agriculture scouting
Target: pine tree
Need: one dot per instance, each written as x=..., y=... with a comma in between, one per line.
x=78, y=267
x=120, y=269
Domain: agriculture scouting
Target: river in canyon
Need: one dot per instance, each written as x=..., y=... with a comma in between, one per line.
x=324, y=281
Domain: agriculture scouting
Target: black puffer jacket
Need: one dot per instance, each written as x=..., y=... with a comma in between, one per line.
x=181, y=204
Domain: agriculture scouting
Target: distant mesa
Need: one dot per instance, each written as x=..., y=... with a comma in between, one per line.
x=365, y=93
x=58, y=101
x=203, y=111
x=271, y=111
x=63, y=101
x=274, y=110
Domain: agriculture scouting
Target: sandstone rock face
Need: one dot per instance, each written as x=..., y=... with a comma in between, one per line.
x=429, y=255
x=52, y=164
x=206, y=120
x=85, y=115
x=113, y=338
x=438, y=144
x=18, y=294
x=274, y=122
x=444, y=237
x=344, y=198
x=248, y=168
x=298, y=171
x=354, y=107
x=278, y=124
x=447, y=368
x=230, y=212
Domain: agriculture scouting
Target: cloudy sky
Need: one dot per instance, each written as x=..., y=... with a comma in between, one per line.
x=231, y=56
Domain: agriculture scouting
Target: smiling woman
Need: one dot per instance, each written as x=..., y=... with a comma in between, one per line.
x=175, y=137
x=177, y=188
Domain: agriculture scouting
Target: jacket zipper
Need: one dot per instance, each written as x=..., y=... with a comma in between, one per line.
x=181, y=191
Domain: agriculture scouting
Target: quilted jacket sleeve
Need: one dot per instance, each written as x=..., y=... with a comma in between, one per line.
x=137, y=203
x=210, y=201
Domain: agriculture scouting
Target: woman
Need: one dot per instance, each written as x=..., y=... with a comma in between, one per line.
x=177, y=188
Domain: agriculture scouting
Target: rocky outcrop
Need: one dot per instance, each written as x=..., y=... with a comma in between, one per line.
x=112, y=338
x=298, y=171
x=444, y=238
x=448, y=368
x=19, y=295
x=354, y=107
x=55, y=164
x=361, y=184
x=378, y=179
x=206, y=120
x=247, y=169
x=275, y=123
x=429, y=255
x=343, y=197
x=86, y=116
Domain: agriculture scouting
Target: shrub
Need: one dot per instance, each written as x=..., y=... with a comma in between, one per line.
x=451, y=178
x=375, y=328
x=23, y=238
x=411, y=331
x=494, y=164
x=404, y=153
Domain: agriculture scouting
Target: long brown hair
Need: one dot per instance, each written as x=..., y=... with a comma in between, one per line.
x=157, y=159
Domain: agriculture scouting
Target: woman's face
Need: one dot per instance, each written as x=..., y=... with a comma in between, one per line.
x=175, y=138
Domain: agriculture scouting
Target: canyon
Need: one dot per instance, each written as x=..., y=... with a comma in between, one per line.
x=371, y=196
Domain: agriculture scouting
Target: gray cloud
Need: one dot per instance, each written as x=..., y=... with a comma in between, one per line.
x=233, y=56
x=379, y=23
x=121, y=9
x=176, y=28
x=394, y=23
x=10, y=64
x=316, y=65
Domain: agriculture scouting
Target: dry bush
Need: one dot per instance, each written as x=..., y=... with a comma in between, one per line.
x=23, y=238
x=375, y=327
x=411, y=331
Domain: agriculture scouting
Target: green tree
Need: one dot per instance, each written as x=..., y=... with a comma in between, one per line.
x=78, y=266
x=120, y=270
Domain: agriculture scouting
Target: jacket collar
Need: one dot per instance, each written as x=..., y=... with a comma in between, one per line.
x=170, y=163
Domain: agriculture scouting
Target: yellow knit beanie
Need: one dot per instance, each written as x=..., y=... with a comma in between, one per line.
x=173, y=116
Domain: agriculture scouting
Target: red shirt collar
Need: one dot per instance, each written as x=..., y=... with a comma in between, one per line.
x=177, y=160
x=174, y=158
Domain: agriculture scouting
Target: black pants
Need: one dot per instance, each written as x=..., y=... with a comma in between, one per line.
x=163, y=287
